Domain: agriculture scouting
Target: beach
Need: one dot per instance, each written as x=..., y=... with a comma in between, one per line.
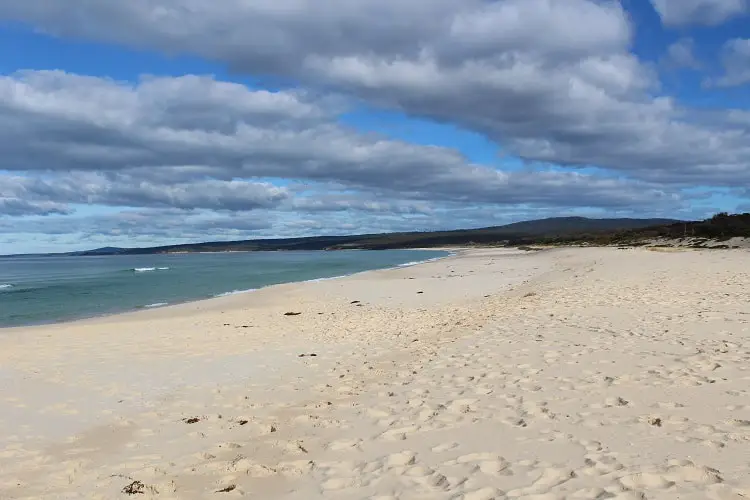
x=584, y=373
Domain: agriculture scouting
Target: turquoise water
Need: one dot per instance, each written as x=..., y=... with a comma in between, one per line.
x=36, y=290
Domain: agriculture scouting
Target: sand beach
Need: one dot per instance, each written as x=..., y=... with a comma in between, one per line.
x=574, y=373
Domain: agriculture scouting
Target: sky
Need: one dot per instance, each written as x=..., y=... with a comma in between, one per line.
x=149, y=122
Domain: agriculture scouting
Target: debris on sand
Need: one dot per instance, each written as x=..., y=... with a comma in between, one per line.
x=655, y=421
x=135, y=488
x=191, y=420
x=292, y=314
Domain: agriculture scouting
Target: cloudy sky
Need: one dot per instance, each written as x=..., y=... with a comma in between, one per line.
x=142, y=122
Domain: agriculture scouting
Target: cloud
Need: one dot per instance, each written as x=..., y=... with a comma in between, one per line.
x=738, y=117
x=16, y=207
x=116, y=189
x=179, y=225
x=735, y=58
x=680, y=55
x=279, y=35
x=330, y=202
x=703, y=12
x=200, y=153
x=520, y=72
x=145, y=227
x=194, y=142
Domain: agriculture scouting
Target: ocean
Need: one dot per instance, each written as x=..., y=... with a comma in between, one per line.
x=37, y=290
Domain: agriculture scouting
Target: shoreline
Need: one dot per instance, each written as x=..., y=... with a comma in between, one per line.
x=113, y=346
x=168, y=305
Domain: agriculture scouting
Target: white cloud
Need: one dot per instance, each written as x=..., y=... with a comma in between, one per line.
x=704, y=12
x=541, y=86
x=735, y=57
x=281, y=34
x=197, y=143
x=680, y=55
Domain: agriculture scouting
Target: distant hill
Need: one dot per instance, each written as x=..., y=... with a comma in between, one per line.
x=516, y=233
x=552, y=230
x=562, y=225
x=101, y=251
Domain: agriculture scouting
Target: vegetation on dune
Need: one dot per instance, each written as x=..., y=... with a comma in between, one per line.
x=720, y=227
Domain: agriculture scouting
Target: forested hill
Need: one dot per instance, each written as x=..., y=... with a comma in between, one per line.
x=720, y=227
x=519, y=232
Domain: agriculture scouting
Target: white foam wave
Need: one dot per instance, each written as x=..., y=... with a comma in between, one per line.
x=5, y=286
x=148, y=269
x=315, y=280
x=235, y=292
x=158, y=304
x=417, y=262
x=407, y=264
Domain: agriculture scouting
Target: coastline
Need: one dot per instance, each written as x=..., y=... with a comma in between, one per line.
x=164, y=305
x=569, y=373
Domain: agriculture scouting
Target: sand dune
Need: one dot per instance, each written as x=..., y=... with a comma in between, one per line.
x=581, y=374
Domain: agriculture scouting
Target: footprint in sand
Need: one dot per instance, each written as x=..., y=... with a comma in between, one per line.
x=488, y=493
x=441, y=448
x=345, y=444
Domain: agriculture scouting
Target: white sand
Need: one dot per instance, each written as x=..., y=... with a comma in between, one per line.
x=582, y=373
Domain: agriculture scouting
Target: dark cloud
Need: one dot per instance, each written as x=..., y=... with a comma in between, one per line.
x=117, y=189
x=279, y=35
x=175, y=225
x=16, y=207
x=327, y=202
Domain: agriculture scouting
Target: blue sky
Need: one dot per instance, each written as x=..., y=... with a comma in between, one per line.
x=167, y=121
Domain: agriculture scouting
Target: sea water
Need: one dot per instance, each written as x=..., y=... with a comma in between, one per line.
x=36, y=290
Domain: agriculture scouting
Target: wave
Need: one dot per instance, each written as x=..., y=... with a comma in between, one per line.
x=148, y=269
x=330, y=278
x=235, y=292
x=5, y=286
x=158, y=304
x=417, y=262
x=407, y=264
